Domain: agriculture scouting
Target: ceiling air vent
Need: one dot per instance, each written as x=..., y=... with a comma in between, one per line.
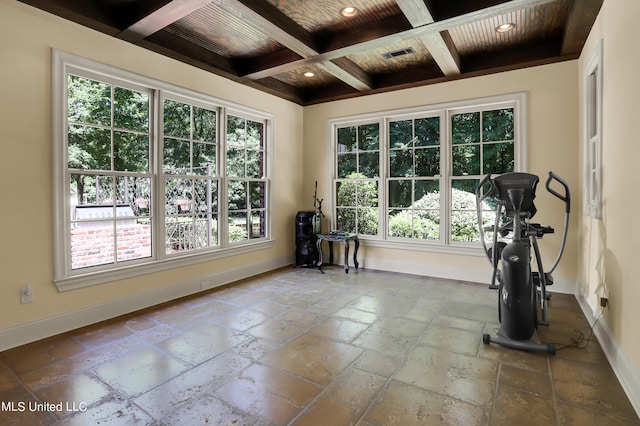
x=396, y=53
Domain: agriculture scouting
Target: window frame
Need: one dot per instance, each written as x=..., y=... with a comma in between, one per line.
x=443, y=245
x=592, y=134
x=66, y=278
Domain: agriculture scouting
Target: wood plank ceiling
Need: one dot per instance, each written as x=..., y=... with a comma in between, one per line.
x=306, y=51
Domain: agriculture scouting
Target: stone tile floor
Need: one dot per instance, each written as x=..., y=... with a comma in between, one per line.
x=298, y=347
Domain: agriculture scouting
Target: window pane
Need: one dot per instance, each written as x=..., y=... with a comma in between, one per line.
x=131, y=110
x=367, y=193
x=238, y=225
x=369, y=164
x=176, y=156
x=401, y=163
x=89, y=148
x=90, y=189
x=426, y=224
x=236, y=131
x=498, y=158
x=133, y=191
x=346, y=219
x=133, y=240
x=346, y=139
x=427, y=131
x=204, y=124
x=254, y=164
x=178, y=195
x=497, y=125
x=180, y=235
x=465, y=128
x=464, y=219
x=130, y=151
x=346, y=165
x=400, y=134
x=346, y=193
x=427, y=162
x=204, y=159
x=367, y=221
x=369, y=137
x=177, y=119
x=237, y=195
x=206, y=195
x=254, y=135
x=88, y=101
x=400, y=223
x=400, y=193
x=466, y=160
x=257, y=193
x=236, y=162
x=92, y=246
x=207, y=226
x=427, y=194
x=258, y=225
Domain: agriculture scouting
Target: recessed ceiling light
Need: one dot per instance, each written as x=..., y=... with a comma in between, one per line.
x=308, y=74
x=505, y=27
x=349, y=11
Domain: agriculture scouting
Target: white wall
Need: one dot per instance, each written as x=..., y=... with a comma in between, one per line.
x=609, y=247
x=26, y=254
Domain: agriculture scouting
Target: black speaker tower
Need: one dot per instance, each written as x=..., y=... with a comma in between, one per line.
x=306, y=248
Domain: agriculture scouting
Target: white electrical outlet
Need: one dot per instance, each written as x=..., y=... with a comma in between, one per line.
x=26, y=294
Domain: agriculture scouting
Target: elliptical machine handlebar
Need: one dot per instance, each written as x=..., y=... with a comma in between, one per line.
x=567, y=195
x=566, y=198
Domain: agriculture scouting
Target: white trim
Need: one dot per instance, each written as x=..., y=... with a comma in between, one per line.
x=625, y=371
x=593, y=157
x=45, y=327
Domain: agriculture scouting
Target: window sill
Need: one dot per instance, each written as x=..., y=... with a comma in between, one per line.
x=459, y=249
x=94, y=278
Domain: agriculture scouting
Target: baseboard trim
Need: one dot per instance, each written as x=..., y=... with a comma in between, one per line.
x=50, y=326
x=481, y=276
x=623, y=368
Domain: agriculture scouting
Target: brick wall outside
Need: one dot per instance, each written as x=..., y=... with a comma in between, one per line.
x=94, y=246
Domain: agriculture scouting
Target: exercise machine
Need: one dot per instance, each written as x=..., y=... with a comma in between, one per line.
x=521, y=290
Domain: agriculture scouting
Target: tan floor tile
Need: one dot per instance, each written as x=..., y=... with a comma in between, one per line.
x=202, y=343
x=140, y=371
x=404, y=405
x=286, y=326
x=528, y=380
x=459, y=376
x=115, y=411
x=210, y=411
x=576, y=415
x=339, y=329
x=268, y=393
x=187, y=387
x=316, y=359
x=514, y=406
x=451, y=339
x=74, y=393
x=346, y=399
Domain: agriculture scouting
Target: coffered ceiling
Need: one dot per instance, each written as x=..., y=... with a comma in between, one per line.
x=308, y=52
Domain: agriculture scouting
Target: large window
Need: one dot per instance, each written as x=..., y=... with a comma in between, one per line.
x=149, y=176
x=410, y=176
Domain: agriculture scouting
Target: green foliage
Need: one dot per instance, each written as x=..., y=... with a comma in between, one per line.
x=422, y=221
x=360, y=196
